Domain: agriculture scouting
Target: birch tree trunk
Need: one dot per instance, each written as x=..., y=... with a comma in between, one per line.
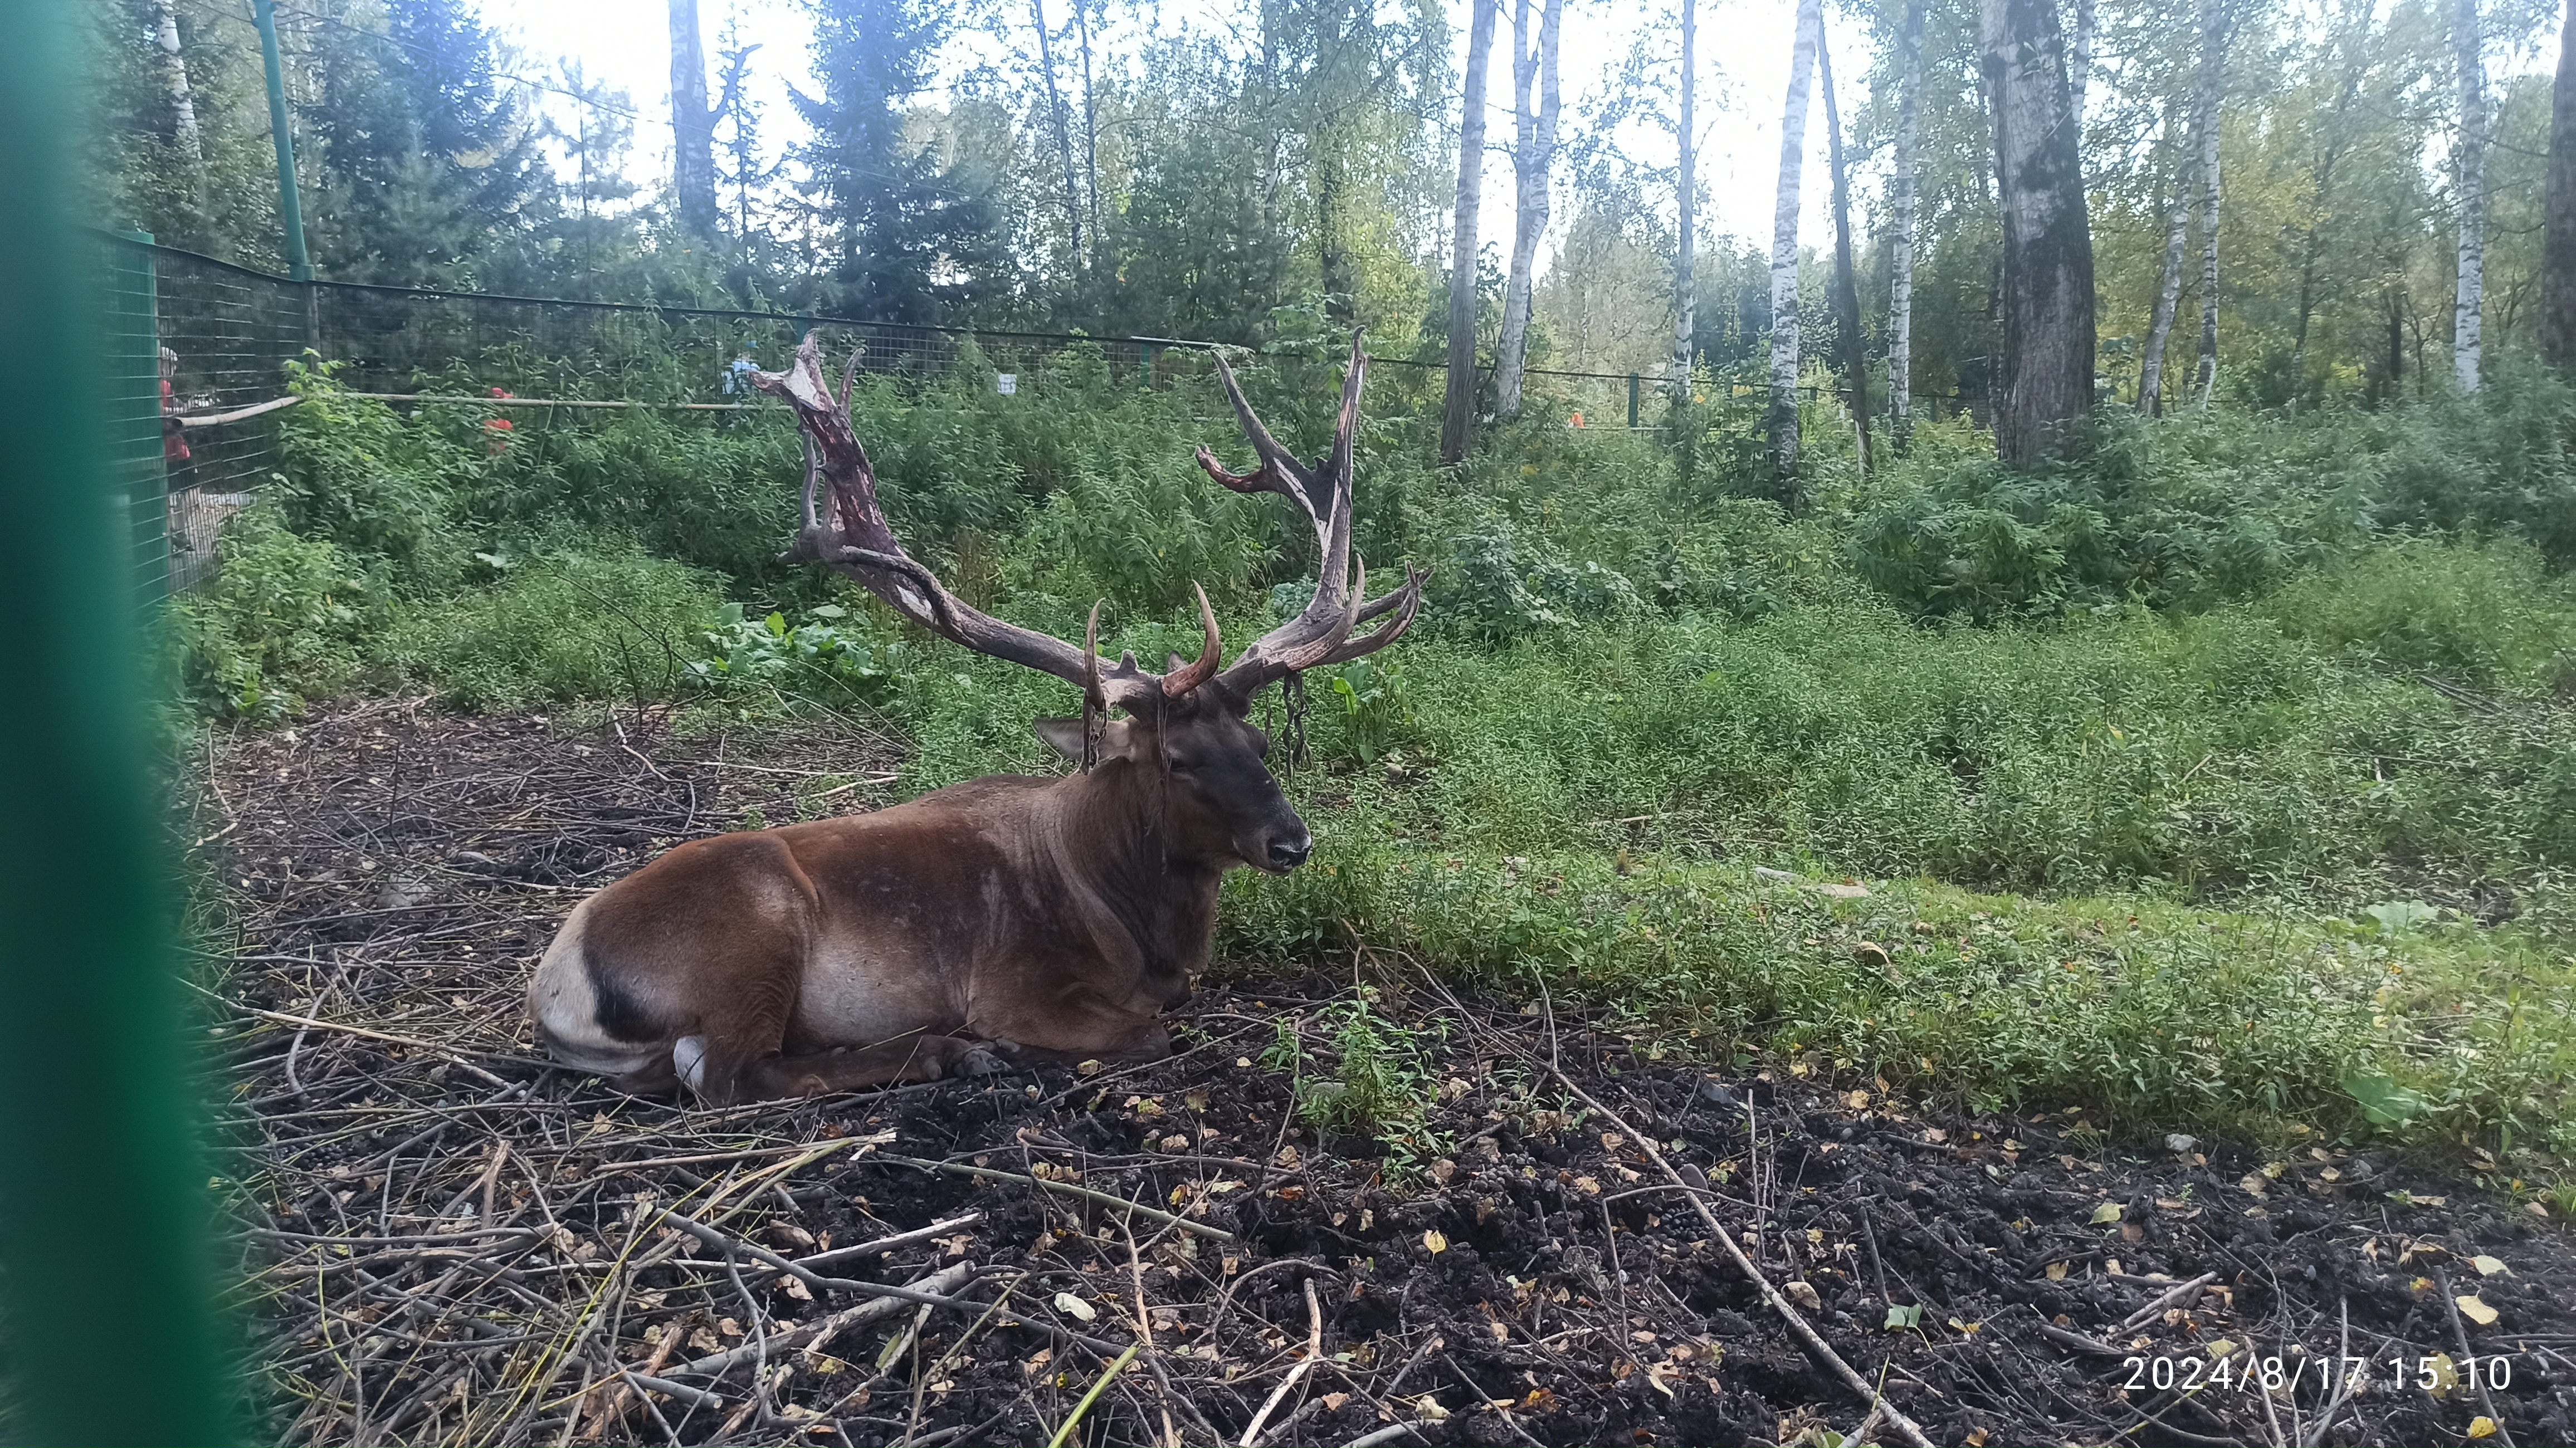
x=1846, y=285
x=2151, y=370
x=1900, y=271
x=2470, y=147
x=1533, y=158
x=1457, y=413
x=174, y=84
x=2213, y=73
x=1783, y=418
x=1063, y=128
x=1686, y=188
x=2047, y=293
x=2079, y=65
x=2558, y=212
x=1090, y=122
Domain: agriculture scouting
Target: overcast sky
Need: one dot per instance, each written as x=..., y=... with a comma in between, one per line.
x=1743, y=78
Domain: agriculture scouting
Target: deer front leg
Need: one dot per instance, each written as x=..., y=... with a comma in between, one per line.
x=887, y=1063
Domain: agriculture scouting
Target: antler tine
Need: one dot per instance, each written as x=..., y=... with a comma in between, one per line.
x=1212, y=653
x=1325, y=494
x=858, y=542
x=1404, y=601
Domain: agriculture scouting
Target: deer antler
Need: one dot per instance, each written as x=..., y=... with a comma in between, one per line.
x=844, y=527
x=1320, y=633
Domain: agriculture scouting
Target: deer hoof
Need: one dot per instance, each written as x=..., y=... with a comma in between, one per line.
x=689, y=1058
x=986, y=1058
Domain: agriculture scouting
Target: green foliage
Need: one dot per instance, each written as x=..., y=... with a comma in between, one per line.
x=819, y=659
x=617, y=626
x=1379, y=1083
x=1376, y=708
x=283, y=621
x=2484, y=616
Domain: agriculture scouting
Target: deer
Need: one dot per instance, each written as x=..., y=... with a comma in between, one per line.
x=992, y=924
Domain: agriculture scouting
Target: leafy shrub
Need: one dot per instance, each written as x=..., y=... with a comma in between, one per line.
x=361, y=477
x=1376, y=707
x=571, y=626
x=280, y=622
x=2480, y=615
x=819, y=659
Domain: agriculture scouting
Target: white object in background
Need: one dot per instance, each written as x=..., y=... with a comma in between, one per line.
x=1007, y=383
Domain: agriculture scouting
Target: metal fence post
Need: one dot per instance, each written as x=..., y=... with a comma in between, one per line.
x=1632, y=402
x=105, y=1280
x=132, y=372
x=290, y=206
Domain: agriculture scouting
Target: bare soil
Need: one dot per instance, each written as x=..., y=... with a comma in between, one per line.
x=443, y=1240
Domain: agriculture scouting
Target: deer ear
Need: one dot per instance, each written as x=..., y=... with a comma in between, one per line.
x=1064, y=736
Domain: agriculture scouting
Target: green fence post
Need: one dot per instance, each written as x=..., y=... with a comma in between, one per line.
x=133, y=395
x=105, y=1277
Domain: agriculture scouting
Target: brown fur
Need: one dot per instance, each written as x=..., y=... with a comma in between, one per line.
x=1060, y=916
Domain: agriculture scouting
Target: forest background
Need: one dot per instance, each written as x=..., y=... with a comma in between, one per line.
x=2251, y=687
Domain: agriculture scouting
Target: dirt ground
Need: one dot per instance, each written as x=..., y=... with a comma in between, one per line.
x=442, y=1240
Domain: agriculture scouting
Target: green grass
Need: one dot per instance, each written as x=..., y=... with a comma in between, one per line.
x=2190, y=706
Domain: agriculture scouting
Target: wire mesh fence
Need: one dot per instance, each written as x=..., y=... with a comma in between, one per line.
x=209, y=344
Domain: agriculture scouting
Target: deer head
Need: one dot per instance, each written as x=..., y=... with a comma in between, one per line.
x=1189, y=724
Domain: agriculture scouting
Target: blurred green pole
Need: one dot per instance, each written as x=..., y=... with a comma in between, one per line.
x=290, y=208
x=105, y=1287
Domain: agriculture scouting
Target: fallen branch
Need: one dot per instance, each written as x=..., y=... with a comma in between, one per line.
x=937, y=1284
x=1314, y=1351
x=1068, y=1189
x=1816, y=1346
x=2181, y=1295
x=883, y=1245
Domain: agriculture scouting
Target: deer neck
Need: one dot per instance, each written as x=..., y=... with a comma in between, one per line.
x=1121, y=839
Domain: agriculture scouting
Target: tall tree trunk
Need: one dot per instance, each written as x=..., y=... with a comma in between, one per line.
x=2151, y=370
x=2329, y=151
x=1900, y=271
x=1090, y=121
x=693, y=127
x=2468, y=47
x=1457, y=413
x=2558, y=211
x=1533, y=158
x=1063, y=128
x=1783, y=420
x=2048, y=246
x=2079, y=65
x=1686, y=191
x=1846, y=286
x=2213, y=77
x=183, y=101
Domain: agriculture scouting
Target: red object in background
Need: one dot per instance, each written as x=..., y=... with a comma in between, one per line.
x=496, y=435
x=1577, y=422
x=174, y=438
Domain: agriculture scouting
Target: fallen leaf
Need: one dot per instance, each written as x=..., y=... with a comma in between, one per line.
x=2107, y=1212
x=1901, y=1318
x=2475, y=1309
x=2255, y=1183
x=2446, y=1375
x=2057, y=1271
x=1857, y=1100
x=2482, y=1426
x=1804, y=1294
x=1037, y=1360
x=1434, y=1243
x=1429, y=1407
x=2222, y=1347
x=1066, y=1302
x=797, y=1289
x=1588, y=1186
x=1977, y=1439
x=1087, y=1068
x=2490, y=1266
x=1969, y=1327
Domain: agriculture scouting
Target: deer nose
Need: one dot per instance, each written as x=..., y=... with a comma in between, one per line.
x=1288, y=854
